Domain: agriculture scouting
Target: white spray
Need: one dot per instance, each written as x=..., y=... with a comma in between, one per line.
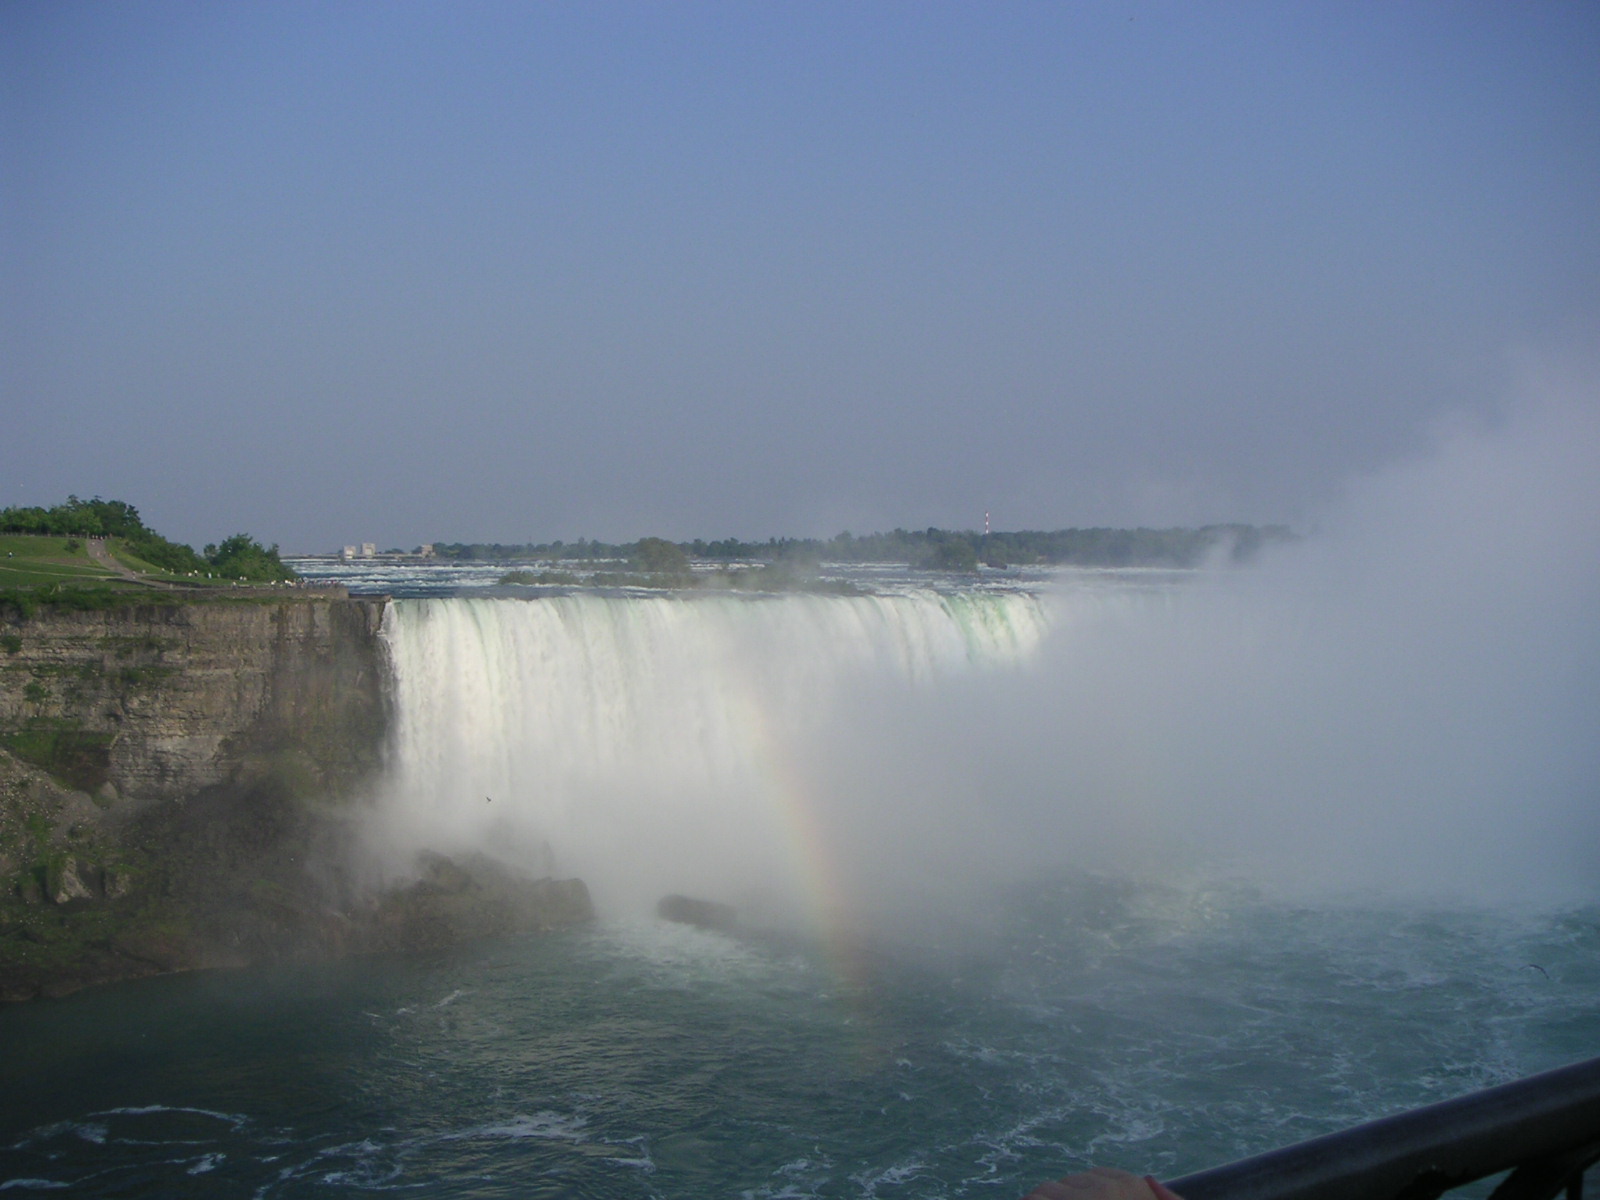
x=1408, y=702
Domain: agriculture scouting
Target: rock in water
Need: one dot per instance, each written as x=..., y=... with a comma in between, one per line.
x=702, y=914
x=457, y=900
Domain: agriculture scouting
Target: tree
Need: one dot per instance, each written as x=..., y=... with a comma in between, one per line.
x=241, y=556
x=659, y=557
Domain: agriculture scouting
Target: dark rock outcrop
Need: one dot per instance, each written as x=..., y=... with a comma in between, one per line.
x=703, y=914
x=457, y=900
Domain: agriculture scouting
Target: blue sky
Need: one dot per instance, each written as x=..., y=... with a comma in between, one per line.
x=335, y=272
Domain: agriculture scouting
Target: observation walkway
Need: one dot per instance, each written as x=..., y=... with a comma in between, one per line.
x=1544, y=1130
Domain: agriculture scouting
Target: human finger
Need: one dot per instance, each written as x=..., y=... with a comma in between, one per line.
x=1097, y=1183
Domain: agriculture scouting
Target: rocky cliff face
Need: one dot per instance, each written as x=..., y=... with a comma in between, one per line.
x=158, y=702
x=177, y=787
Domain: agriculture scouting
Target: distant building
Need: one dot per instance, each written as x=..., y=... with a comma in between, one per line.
x=369, y=549
x=349, y=552
x=427, y=549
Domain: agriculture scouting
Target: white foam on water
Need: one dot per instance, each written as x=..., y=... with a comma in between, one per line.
x=234, y=1119
x=889, y=1177
x=206, y=1164
x=552, y=1126
x=682, y=956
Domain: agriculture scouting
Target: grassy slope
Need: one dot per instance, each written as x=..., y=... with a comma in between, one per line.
x=123, y=554
x=27, y=560
x=32, y=560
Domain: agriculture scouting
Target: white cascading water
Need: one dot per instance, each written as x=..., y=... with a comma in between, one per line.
x=653, y=744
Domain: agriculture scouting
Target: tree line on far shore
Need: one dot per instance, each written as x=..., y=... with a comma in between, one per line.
x=934, y=549
x=236, y=557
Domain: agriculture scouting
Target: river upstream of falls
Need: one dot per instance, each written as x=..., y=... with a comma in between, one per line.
x=1031, y=873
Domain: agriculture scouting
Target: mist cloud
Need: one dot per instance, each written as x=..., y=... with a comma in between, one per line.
x=1404, y=704
x=1407, y=702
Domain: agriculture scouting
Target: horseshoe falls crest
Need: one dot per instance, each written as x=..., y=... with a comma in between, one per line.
x=659, y=744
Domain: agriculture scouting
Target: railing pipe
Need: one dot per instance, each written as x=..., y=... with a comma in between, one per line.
x=1419, y=1154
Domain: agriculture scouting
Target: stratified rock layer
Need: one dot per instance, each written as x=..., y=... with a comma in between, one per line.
x=178, y=788
x=163, y=700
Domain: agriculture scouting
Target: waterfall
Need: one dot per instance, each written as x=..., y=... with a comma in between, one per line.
x=1403, y=705
x=659, y=743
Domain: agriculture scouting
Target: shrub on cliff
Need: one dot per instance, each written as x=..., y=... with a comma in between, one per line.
x=24, y=602
x=242, y=557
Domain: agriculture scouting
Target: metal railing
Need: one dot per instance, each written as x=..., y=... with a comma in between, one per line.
x=1544, y=1129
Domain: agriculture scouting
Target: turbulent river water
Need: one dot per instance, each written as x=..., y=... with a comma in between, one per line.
x=987, y=934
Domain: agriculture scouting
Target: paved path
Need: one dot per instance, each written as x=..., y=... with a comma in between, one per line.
x=98, y=552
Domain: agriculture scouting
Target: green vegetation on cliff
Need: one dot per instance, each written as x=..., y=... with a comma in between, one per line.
x=99, y=518
x=38, y=560
x=104, y=543
x=242, y=557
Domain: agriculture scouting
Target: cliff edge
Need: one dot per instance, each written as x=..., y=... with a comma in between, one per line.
x=177, y=787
